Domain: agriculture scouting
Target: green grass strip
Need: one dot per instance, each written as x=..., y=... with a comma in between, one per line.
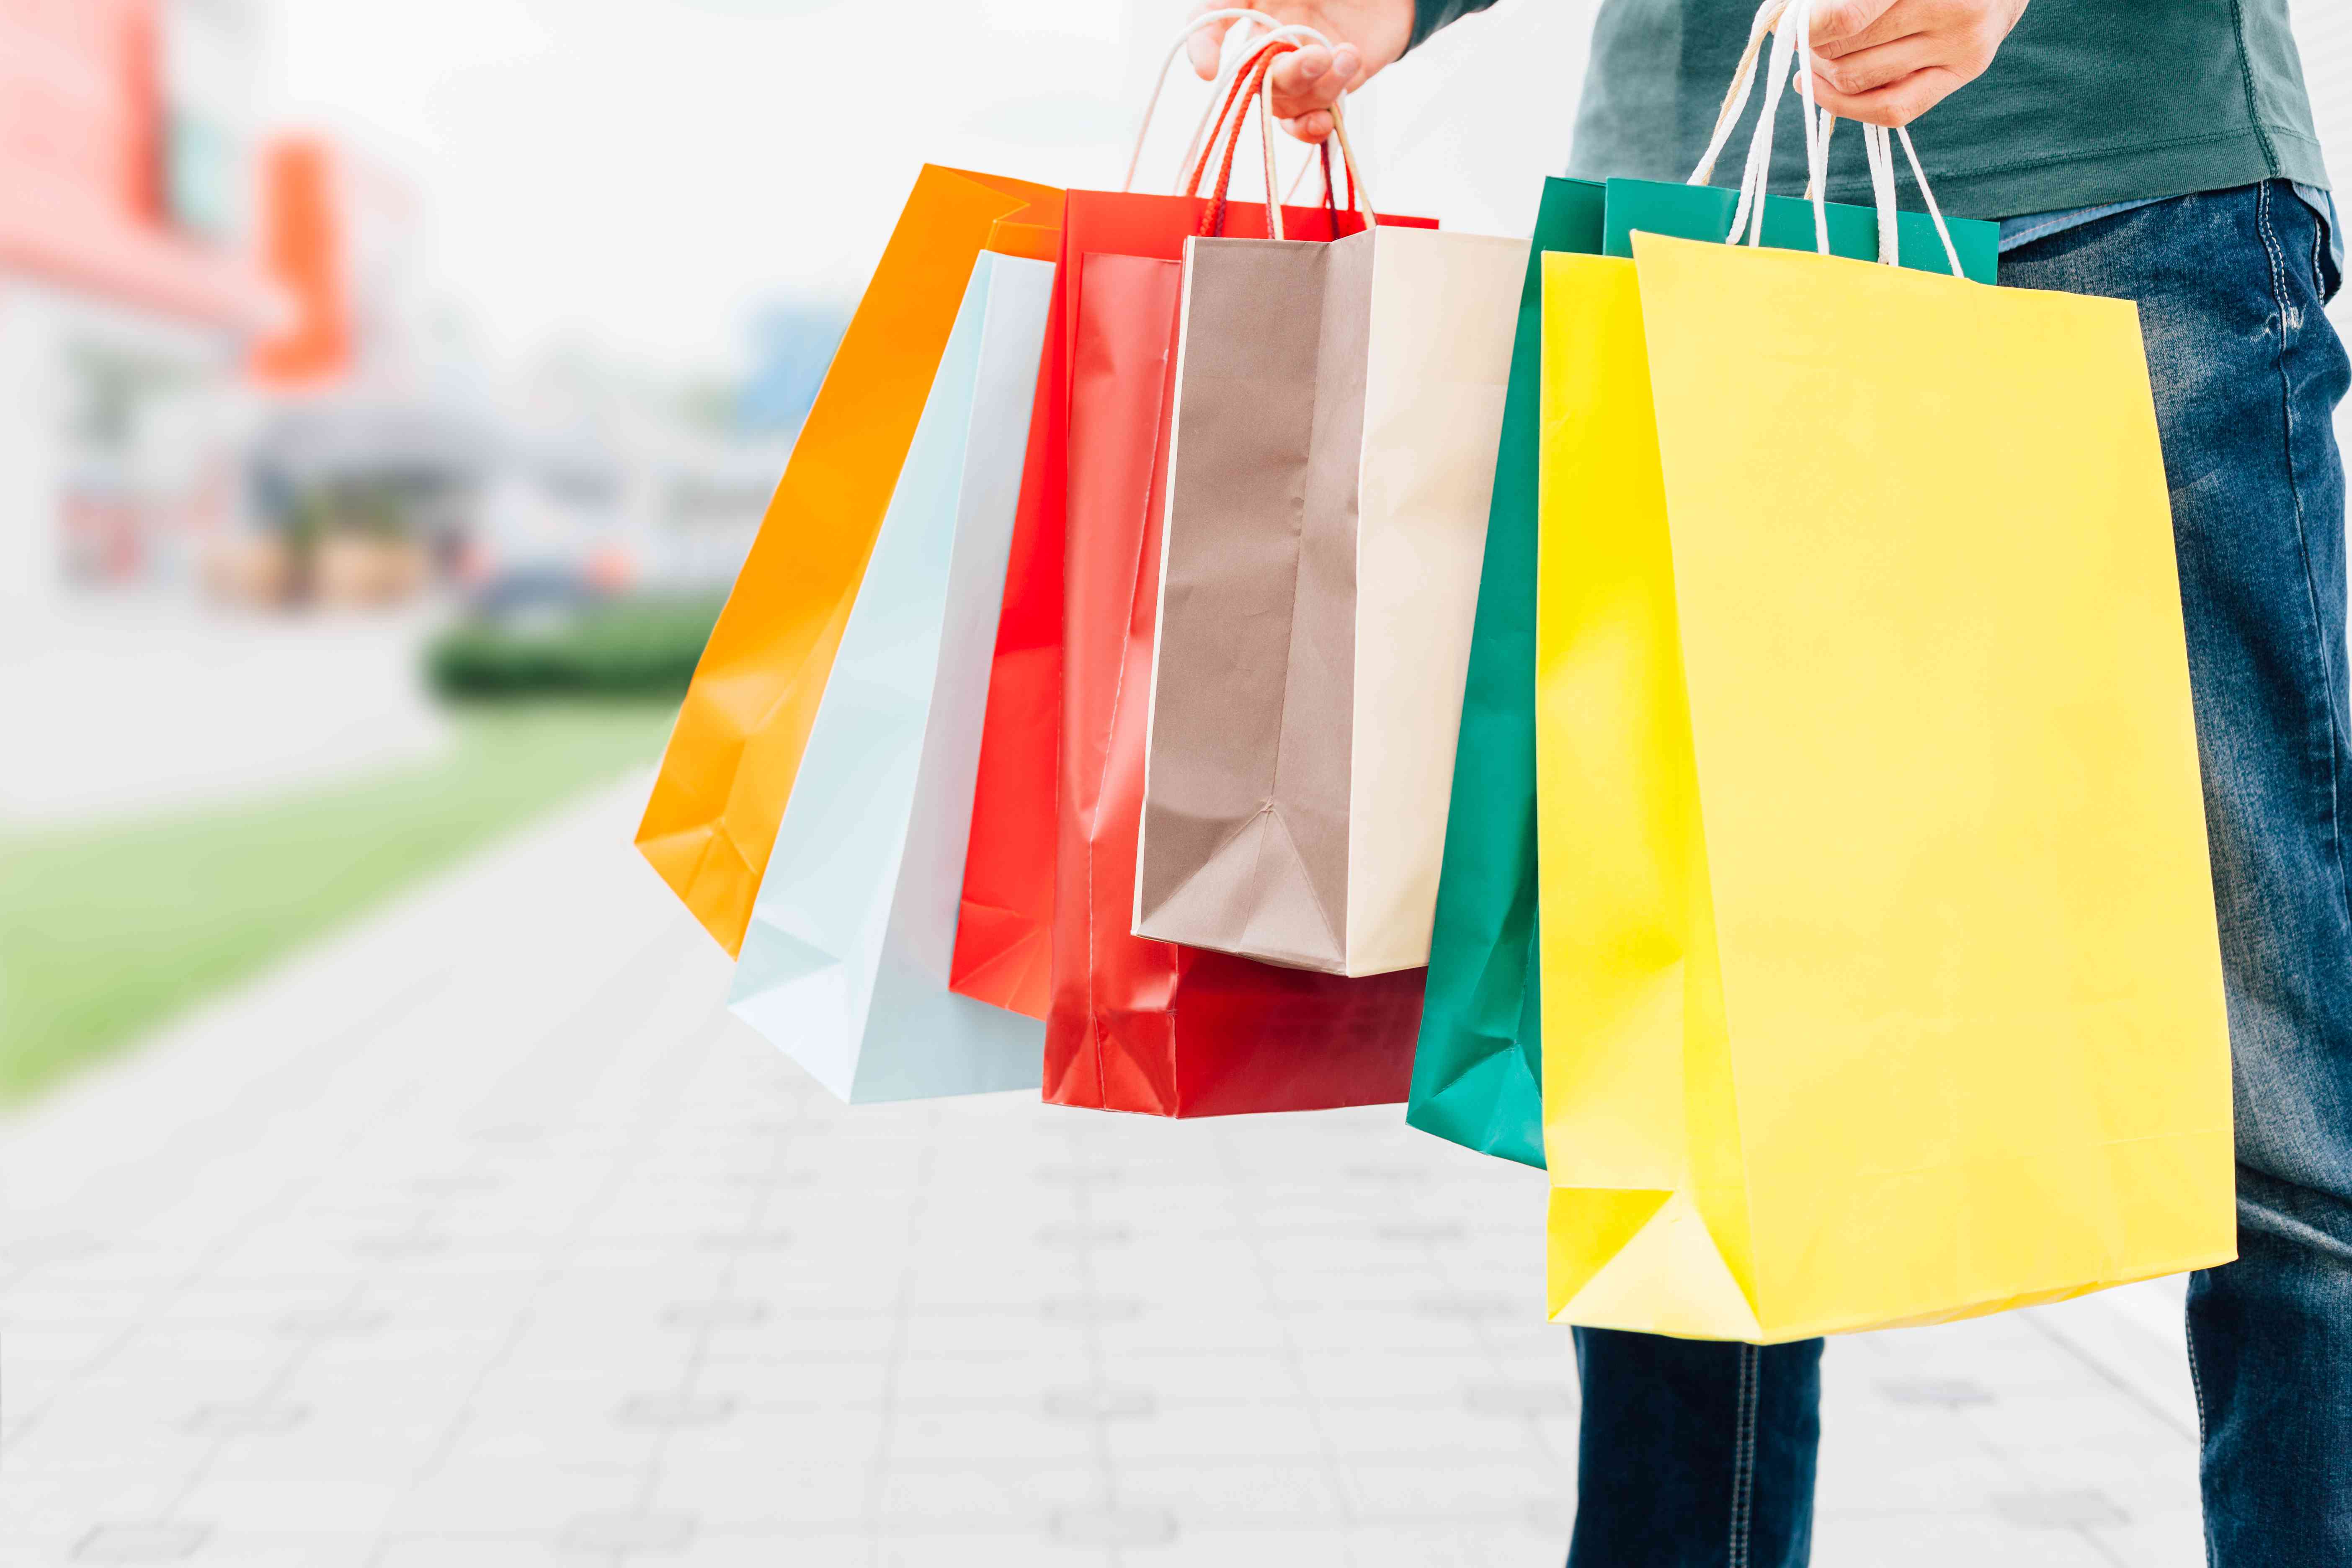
x=108, y=931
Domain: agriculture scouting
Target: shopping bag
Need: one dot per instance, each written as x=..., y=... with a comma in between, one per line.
x=1002, y=951
x=738, y=742
x=1332, y=457
x=1477, y=1068
x=845, y=965
x=1477, y=1072
x=1881, y=981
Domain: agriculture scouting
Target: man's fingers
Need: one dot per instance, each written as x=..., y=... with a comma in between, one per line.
x=1897, y=103
x=1312, y=79
x=1870, y=69
x=1205, y=49
x=1310, y=128
x=1841, y=26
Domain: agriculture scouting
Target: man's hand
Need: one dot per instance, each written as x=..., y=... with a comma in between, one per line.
x=1367, y=34
x=1890, y=61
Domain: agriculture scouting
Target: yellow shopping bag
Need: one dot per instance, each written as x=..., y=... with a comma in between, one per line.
x=737, y=744
x=1880, y=971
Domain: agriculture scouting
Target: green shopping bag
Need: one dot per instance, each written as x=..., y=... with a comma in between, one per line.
x=1705, y=212
x=1477, y=1075
x=1479, y=1070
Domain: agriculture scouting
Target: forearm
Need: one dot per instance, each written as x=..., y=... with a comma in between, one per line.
x=1428, y=16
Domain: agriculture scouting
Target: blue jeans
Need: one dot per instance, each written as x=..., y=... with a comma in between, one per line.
x=1702, y=1456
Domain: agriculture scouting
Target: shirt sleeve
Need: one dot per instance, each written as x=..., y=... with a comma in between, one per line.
x=1428, y=16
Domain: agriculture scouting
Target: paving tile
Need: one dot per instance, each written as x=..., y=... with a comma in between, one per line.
x=2174, y=1538
x=718, y=1549
x=1942, y=1538
x=1228, y=1495
x=733, y=1488
x=667, y=1411
x=933, y=1496
x=967, y=1550
x=1259, y=1546
x=1470, y=1543
x=465, y=1550
x=629, y=1531
x=990, y=1434
x=1376, y=1430
x=140, y=1542
x=1437, y=1485
x=1217, y=1432
x=2081, y=1508
x=509, y=1497
x=752, y=1383
x=282, y=1550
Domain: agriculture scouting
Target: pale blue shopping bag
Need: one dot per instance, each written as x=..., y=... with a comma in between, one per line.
x=845, y=965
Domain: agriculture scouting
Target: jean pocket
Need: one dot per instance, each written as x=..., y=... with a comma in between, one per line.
x=2325, y=275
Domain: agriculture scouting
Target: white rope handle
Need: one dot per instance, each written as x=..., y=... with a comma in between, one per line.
x=1919, y=176
x=1357, y=195
x=1217, y=85
x=1757, y=171
x=1246, y=18
x=1792, y=47
x=1743, y=83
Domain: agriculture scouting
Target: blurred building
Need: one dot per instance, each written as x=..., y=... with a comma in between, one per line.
x=389, y=455
x=364, y=460
x=127, y=293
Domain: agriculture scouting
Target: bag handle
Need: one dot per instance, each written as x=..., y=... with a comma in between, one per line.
x=1249, y=93
x=1735, y=98
x=1243, y=19
x=1203, y=144
x=1204, y=130
x=1252, y=89
x=1792, y=47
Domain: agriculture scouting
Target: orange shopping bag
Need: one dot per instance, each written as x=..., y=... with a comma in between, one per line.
x=736, y=745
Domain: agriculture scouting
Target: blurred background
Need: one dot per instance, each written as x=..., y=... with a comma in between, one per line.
x=388, y=393
x=393, y=391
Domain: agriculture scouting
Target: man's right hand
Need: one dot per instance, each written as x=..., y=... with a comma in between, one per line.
x=1368, y=35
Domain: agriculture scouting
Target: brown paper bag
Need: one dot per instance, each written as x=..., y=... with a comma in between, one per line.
x=1337, y=412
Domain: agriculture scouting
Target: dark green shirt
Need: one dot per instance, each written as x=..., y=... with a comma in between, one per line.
x=2089, y=101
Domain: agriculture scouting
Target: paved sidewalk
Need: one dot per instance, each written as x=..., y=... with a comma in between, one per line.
x=482, y=1236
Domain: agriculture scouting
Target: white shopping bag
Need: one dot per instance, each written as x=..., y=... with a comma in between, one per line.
x=845, y=965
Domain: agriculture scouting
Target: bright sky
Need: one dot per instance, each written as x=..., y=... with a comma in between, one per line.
x=642, y=170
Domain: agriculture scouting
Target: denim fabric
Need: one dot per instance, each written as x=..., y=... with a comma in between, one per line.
x=2030, y=227
x=2247, y=372
x=1694, y=1452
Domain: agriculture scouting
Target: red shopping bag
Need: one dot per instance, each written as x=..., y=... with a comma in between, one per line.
x=1003, y=925
x=1132, y=1025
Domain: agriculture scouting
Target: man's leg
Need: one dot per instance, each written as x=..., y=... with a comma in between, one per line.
x=1694, y=1453
x=2247, y=373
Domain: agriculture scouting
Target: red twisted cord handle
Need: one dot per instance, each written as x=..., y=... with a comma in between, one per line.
x=1247, y=82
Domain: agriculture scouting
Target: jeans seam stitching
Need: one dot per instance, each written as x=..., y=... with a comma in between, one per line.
x=1743, y=1469
x=2275, y=252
